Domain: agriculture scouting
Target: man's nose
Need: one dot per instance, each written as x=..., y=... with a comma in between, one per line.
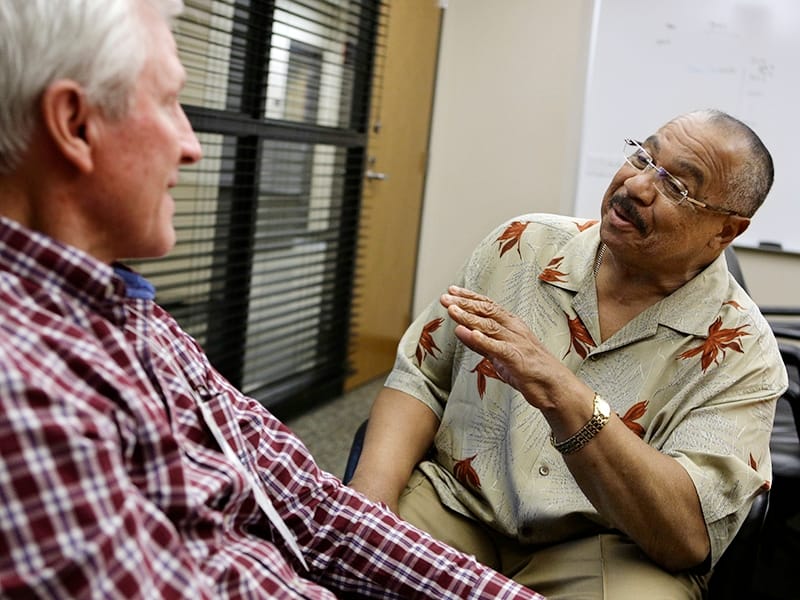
x=191, y=151
x=642, y=185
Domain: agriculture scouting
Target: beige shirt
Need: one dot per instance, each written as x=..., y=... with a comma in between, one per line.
x=696, y=376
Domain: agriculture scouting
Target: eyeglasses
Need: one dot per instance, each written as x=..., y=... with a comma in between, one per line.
x=669, y=186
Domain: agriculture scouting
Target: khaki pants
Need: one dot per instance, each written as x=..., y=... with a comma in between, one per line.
x=608, y=566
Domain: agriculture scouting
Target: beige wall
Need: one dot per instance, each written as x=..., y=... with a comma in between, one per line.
x=506, y=129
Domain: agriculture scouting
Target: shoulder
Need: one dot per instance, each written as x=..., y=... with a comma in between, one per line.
x=533, y=228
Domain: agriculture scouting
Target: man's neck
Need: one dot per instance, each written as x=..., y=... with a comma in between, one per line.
x=623, y=293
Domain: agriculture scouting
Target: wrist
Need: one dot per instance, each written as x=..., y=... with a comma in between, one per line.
x=601, y=413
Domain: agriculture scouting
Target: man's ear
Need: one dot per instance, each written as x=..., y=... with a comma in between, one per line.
x=732, y=227
x=65, y=115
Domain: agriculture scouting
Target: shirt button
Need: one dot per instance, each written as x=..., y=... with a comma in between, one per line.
x=544, y=470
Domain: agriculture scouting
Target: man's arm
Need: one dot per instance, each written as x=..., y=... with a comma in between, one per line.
x=351, y=544
x=400, y=431
x=644, y=493
x=360, y=546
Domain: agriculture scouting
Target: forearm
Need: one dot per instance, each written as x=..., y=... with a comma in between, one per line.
x=400, y=431
x=393, y=559
x=644, y=493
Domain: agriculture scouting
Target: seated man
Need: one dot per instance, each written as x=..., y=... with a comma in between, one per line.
x=129, y=468
x=598, y=396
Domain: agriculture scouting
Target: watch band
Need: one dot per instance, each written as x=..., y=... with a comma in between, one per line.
x=600, y=416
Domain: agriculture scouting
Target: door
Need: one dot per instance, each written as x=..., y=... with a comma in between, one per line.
x=392, y=200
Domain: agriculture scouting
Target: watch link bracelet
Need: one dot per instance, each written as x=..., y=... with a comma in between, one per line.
x=600, y=416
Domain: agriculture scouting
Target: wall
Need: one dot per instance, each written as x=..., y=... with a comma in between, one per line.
x=506, y=135
x=506, y=123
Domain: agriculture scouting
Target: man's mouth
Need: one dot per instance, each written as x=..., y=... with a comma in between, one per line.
x=625, y=208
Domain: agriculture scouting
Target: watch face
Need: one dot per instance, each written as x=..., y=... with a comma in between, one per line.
x=602, y=407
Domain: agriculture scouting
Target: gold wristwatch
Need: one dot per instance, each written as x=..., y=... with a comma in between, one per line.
x=602, y=411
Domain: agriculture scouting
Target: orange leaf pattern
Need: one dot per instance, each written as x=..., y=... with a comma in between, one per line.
x=426, y=346
x=511, y=237
x=484, y=369
x=551, y=272
x=586, y=225
x=719, y=340
x=635, y=412
x=466, y=474
x=734, y=304
x=580, y=338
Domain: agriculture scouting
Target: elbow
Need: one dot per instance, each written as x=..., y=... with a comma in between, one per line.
x=691, y=553
x=696, y=562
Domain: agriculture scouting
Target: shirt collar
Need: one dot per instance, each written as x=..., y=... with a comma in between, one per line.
x=136, y=286
x=689, y=309
x=33, y=256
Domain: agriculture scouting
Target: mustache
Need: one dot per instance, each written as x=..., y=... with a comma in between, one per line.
x=625, y=205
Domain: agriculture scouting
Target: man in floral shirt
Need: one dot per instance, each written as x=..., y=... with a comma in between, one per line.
x=598, y=397
x=130, y=468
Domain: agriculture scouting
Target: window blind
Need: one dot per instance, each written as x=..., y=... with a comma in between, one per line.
x=262, y=274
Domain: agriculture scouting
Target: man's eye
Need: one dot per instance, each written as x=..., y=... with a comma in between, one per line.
x=639, y=160
x=673, y=187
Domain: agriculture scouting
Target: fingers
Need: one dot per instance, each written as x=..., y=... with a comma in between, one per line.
x=477, y=341
x=467, y=299
x=465, y=293
x=472, y=317
x=471, y=302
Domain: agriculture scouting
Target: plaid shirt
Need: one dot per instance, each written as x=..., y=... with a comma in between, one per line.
x=113, y=486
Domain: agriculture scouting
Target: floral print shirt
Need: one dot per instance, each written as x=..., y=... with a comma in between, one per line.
x=696, y=376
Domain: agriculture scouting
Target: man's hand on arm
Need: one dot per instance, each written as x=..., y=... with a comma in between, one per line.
x=641, y=491
x=400, y=431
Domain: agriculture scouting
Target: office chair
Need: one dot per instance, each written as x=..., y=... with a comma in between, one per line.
x=734, y=268
x=355, y=452
x=776, y=574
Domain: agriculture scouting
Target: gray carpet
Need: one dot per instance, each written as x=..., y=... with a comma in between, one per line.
x=328, y=430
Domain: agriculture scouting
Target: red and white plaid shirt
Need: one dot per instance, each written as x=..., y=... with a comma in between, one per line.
x=113, y=486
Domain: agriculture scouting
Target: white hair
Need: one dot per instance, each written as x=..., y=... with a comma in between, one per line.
x=97, y=43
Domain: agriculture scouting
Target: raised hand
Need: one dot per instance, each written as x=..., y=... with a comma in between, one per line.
x=516, y=354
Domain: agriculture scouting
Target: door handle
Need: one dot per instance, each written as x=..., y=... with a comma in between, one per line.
x=374, y=175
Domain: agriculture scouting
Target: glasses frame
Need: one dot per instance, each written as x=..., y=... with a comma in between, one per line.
x=662, y=173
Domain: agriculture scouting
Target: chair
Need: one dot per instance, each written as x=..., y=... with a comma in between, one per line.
x=734, y=267
x=734, y=573
x=355, y=452
x=776, y=574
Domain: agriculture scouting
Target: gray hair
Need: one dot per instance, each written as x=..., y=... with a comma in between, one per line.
x=97, y=43
x=748, y=185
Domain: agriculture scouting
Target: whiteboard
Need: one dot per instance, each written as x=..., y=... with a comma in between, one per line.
x=651, y=60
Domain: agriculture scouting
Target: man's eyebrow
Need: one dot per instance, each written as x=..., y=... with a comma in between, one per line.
x=682, y=166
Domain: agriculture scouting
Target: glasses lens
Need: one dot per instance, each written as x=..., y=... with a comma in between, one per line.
x=665, y=183
x=669, y=186
x=635, y=155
